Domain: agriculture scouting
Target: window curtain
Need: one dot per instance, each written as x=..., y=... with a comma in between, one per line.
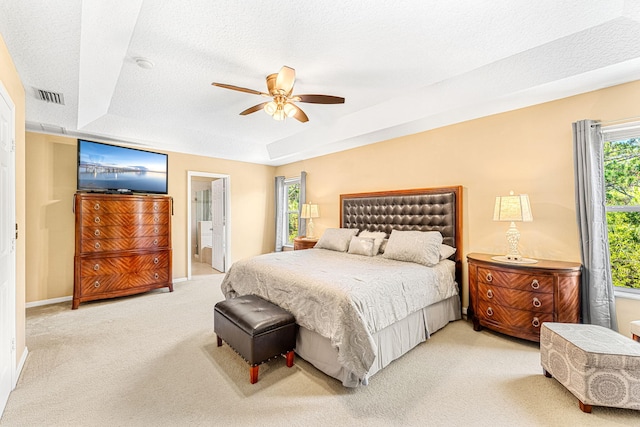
x=280, y=207
x=598, y=301
x=302, y=227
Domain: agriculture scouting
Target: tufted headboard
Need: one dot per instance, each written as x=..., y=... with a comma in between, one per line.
x=425, y=209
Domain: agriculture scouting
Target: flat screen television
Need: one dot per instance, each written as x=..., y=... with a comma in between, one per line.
x=110, y=168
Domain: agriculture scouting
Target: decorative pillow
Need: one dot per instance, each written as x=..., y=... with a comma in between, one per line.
x=421, y=247
x=336, y=239
x=446, y=251
x=379, y=236
x=362, y=246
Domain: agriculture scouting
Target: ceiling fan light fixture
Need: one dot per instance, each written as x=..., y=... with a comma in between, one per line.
x=270, y=108
x=279, y=114
x=289, y=110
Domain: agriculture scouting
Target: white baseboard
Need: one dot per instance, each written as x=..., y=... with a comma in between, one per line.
x=69, y=298
x=23, y=359
x=48, y=301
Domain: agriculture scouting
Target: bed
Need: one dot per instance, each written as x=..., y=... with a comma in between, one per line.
x=357, y=314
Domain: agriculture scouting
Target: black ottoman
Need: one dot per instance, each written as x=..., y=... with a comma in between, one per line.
x=256, y=329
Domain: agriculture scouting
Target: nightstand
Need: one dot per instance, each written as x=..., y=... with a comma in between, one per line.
x=302, y=242
x=515, y=299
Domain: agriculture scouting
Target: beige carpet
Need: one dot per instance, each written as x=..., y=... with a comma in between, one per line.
x=152, y=360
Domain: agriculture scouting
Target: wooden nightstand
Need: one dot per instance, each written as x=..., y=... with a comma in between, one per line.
x=516, y=299
x=302, y=242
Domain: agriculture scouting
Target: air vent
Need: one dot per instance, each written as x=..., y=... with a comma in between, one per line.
x=48, y=96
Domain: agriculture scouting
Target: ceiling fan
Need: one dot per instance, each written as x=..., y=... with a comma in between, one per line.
x=280, y=87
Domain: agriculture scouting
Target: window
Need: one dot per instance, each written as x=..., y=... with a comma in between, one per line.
x=292, y=210
x=622, y=186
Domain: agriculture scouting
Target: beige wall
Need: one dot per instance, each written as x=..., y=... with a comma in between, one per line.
x=51, y=183
x=11, y=81
x=527, y=150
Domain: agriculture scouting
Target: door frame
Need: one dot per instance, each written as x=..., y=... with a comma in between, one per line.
x=227, y=216
x=12, y=327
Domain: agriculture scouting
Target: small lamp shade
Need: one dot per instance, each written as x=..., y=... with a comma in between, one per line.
x=512, y=208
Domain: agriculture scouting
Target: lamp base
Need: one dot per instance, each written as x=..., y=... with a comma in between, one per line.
x=510, y=259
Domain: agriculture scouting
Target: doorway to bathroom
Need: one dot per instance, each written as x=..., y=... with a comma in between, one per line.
x=208, y=233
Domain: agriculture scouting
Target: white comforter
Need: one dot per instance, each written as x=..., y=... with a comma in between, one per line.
x=343, y=297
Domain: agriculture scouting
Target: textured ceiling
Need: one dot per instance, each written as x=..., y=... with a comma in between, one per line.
x=403, y=66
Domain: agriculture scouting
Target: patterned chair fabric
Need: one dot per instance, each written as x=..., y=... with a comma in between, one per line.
x=599, y=366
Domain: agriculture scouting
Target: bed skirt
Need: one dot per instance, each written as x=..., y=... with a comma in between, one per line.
x=392, y=342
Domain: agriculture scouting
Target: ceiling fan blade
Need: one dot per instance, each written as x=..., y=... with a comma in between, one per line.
x=299, y=115
x=240, y=89
x=286, y=79
x=254, y=108
x=319, y=99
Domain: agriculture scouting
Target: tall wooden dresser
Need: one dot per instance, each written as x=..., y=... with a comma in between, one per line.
x=516, y=299
x=123, y=245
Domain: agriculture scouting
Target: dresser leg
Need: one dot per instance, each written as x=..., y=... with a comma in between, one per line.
x=75, y=304
x=476, y=324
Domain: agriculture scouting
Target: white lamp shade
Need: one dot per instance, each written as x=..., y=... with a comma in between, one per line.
x=270, y=108
x=309, y=210
x=512, y=208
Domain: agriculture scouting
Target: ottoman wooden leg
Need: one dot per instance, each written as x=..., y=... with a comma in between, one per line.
x=253, y=373
x=290, y=356
x=635, y=337
x=584, y=407
x=219, y=340
x=547, y=374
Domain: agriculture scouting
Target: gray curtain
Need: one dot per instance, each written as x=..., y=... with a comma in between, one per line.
x=598, y=301
x=279, y=212
x=302, y=228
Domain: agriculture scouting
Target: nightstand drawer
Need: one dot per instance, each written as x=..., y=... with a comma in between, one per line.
x=526, y=322
x=523, y=300
x=525, y=282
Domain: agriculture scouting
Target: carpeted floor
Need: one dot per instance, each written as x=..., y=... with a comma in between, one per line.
x=152, y=360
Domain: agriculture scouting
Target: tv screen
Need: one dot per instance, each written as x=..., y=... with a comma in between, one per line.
x=109, y=168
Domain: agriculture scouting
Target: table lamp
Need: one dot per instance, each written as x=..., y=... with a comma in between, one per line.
x=309, y=211
x=513, y=208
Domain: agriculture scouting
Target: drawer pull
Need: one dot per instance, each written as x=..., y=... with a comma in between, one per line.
x=155, y=230
x=489, y=277
x=535, y=284
x=155, y=208
x=97, y=245
x=96, y=284
x=97, y=220
x=155, y=276
x=536, y=302
x=96, y=206
x=535, y=322
x=489, y=293
x=490, y=311
x=156, y=260
x=155, y=242
x=96, y=267
x=97, y=232
x=156, y=219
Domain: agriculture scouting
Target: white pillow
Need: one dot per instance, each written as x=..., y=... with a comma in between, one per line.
x=362, y=246
x=378, y=237
x=421, y=247
x=336, y=239
x=446, y=251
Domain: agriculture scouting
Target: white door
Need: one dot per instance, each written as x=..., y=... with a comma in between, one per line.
x=218, y=223
x=7, y=247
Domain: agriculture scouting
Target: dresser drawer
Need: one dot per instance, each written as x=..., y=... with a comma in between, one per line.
x=118, y=207
x=527, y=322
x=157, y=275
x=524, y=300
x=98, y=284
x=119, y=264
x=123, y=232
x=526, y=282
x=106, y=245
x=124, y=219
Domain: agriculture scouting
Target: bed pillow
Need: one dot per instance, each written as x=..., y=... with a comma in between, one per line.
x=378, y=237
x=362, y=246
x=336, y=239
x=421, y=247
x=446, y=251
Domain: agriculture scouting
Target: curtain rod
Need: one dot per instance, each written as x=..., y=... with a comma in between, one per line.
x=611, y=122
